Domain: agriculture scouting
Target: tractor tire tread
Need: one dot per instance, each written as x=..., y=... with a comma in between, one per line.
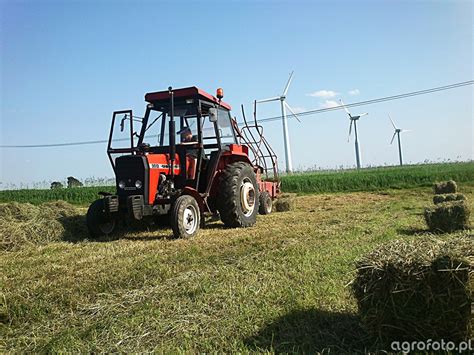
x=177, y=213
x=265, y=203
x=228, y=203
x=93, y=218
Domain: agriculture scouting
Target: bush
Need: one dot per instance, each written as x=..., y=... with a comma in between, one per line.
x=417, y=290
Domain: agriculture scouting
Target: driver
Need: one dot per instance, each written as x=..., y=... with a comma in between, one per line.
x=191, y=152
x=187, y=135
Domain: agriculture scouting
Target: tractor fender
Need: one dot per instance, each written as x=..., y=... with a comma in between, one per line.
x=197, y=196
x=227, y=159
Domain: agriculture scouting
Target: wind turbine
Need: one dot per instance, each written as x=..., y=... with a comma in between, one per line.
x=354, y=120
x=397, y=133
x=284, y=106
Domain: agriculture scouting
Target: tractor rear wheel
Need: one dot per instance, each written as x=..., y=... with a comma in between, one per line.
x=238, y=199
x=266, y=204
x=185, y=217
x=98, y=223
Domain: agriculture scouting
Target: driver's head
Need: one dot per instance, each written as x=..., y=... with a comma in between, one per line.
x=186, y=135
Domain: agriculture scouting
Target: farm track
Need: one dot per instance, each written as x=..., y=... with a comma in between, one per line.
x=278, y=286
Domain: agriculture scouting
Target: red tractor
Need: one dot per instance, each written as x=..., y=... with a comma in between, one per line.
x=196, y=162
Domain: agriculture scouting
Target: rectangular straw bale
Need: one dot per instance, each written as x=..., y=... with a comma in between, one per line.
x=448, y=217
x=445, y=187
x=417, y=289
x=448, y=198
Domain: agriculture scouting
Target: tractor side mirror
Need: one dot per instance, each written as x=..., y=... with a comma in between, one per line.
x=213, y=114
x=122, y=123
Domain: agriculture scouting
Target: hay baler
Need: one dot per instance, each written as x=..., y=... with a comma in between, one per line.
x=187, y=158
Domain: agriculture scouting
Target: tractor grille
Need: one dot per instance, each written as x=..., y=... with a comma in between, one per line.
x=129, y=169
x=135, y=206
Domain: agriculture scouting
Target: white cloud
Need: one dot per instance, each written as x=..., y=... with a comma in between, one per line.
x=329, y=104
x=325, y=94
x=354, y=92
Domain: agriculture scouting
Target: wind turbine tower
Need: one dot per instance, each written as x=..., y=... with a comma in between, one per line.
x=397, y=133
x=284, y=106
x=354, y=120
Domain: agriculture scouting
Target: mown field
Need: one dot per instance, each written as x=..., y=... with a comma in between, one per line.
x=370, y=179
x=278, y=286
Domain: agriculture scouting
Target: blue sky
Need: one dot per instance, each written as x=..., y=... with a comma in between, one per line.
x=66, y=65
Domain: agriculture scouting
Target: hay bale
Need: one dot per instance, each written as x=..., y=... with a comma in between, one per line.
x=448, y=198
x=24, y=223
x=284, y=204
x=448, y=217
x=445, y=187
x=416, y=290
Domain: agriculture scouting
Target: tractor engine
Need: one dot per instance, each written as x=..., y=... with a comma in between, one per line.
x=146, y=176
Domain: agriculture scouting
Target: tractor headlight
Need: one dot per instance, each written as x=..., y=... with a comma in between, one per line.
x=121, y=184
x=138, y=184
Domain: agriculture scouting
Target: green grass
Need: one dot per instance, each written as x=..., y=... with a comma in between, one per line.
x=370, y=179
x=373, y=179
x=278, y=286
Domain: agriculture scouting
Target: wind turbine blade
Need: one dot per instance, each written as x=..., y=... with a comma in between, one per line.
x=345, y=108
x=393, y=137
x=350, y=130
x=291, y=110
x=363, y=114
x=406, y=130
x=268, y=100
x=288, y=84
x=393, y=124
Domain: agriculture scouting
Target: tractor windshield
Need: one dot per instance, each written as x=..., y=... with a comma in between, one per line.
x=186, y=118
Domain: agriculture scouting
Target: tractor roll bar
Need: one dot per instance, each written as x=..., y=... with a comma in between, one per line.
x=172, y=132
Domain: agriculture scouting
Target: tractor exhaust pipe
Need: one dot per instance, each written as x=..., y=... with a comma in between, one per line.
x=172, y=131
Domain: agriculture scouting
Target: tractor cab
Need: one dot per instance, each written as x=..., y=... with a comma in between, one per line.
x=178, y=161
x=189, y=124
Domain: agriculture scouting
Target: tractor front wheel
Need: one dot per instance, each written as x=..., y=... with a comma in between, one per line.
x=185, y=217
x=98, y=223
x=238, y=199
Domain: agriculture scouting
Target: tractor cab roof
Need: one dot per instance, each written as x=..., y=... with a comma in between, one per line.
x=192, y=92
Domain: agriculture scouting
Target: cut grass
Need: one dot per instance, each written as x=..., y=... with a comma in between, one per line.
x=278, y=286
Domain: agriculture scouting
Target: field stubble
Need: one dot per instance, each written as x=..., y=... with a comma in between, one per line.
x=278, y=286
